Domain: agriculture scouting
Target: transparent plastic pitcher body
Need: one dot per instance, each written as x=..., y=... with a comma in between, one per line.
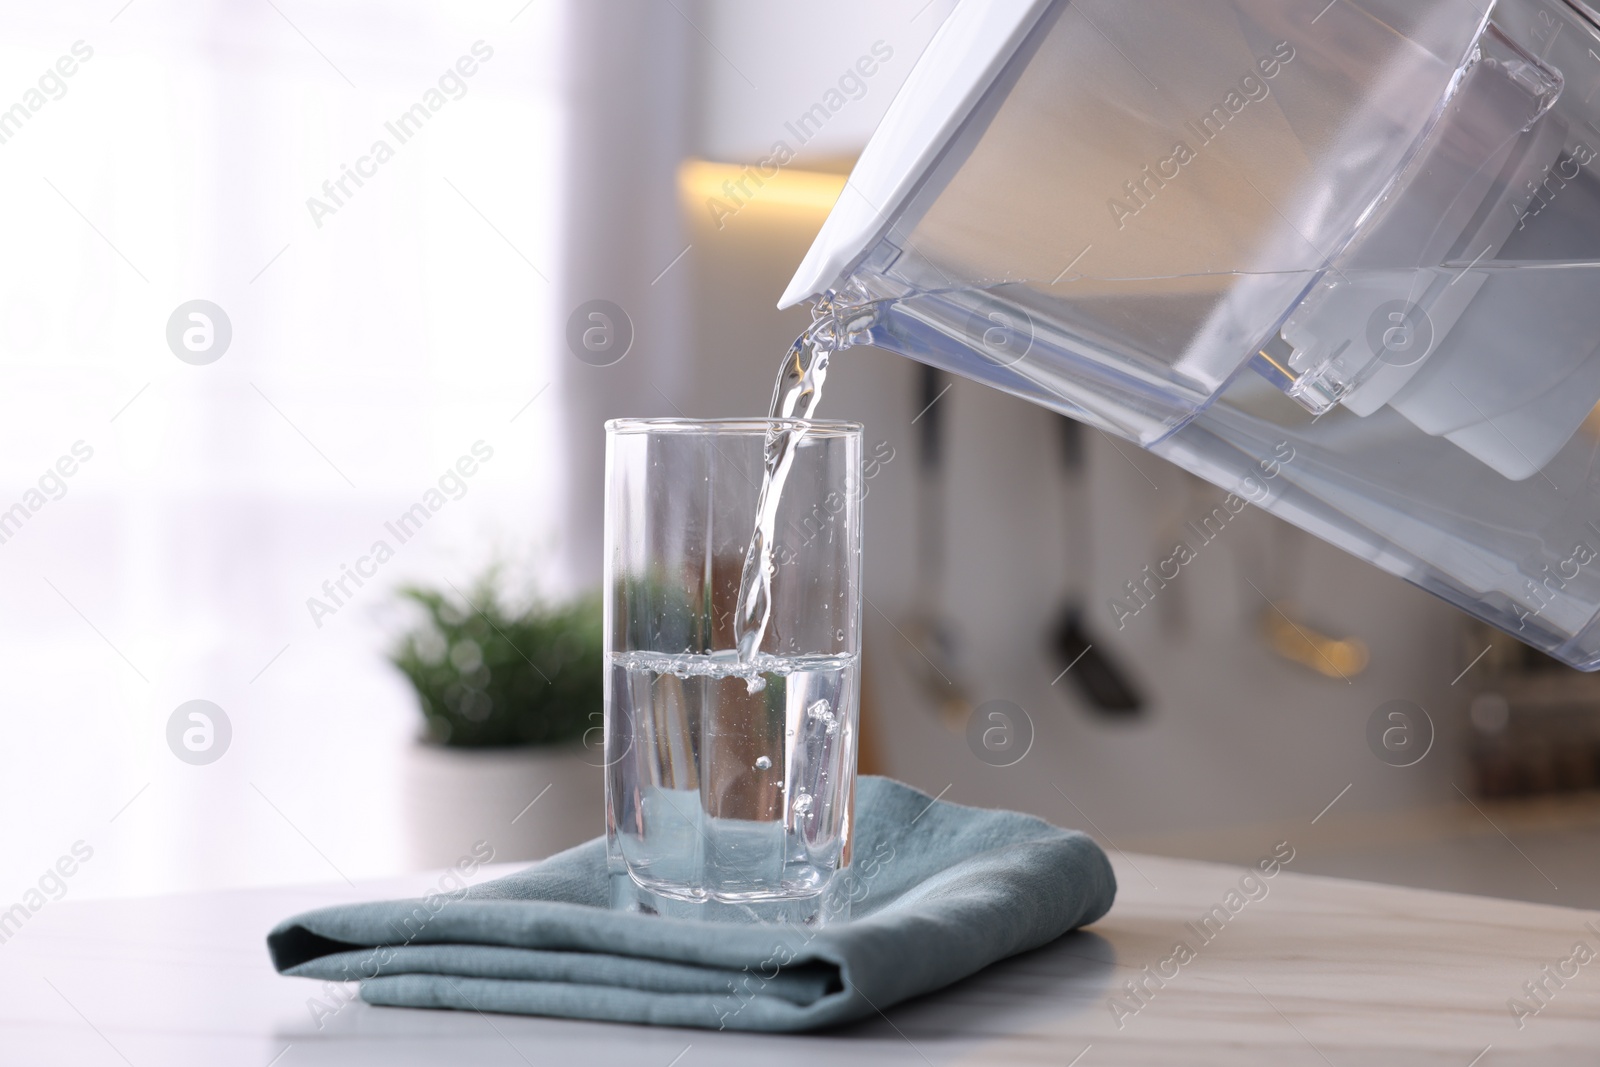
x=1341, y=258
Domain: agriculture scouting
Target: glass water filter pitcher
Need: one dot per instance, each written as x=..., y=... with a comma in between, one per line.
x=1341, y=258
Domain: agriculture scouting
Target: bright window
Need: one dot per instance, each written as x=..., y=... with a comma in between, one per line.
x=378, y=335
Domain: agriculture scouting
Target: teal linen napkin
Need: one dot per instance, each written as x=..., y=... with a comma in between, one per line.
x=940, y=891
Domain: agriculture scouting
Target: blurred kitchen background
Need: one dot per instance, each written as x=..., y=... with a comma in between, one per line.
x=675, y=158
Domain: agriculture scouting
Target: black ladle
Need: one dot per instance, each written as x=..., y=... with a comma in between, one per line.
x=934, y=662
x=1103, y=684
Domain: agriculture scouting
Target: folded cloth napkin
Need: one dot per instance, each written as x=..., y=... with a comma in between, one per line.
x=940, y=891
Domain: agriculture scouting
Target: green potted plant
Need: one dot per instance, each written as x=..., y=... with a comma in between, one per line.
x=511, y=700
x=489, y=675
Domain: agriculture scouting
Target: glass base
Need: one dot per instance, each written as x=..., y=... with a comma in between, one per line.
x=827, y=907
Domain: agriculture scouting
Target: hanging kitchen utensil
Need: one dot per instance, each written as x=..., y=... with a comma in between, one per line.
x=1103, y=684
x=932, y=658
x=1286, y=632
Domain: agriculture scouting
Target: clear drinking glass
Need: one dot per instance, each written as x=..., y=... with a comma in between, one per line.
x=729, y=785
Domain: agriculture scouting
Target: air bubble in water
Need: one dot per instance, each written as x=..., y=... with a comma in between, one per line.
x=838, y=635
x=763, y=763
x=823, y=713
x=802, y=804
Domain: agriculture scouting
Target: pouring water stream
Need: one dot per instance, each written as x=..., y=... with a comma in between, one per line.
x=795, y=396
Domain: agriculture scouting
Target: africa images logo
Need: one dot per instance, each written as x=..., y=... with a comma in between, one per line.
x=1140, y=191
x=452, y=85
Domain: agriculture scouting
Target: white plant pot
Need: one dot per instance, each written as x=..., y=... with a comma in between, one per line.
x=527, y=803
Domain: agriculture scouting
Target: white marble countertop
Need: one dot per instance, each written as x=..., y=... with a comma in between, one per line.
x=1317, y=971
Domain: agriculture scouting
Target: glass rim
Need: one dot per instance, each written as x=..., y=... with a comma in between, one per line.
x=728, y=426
